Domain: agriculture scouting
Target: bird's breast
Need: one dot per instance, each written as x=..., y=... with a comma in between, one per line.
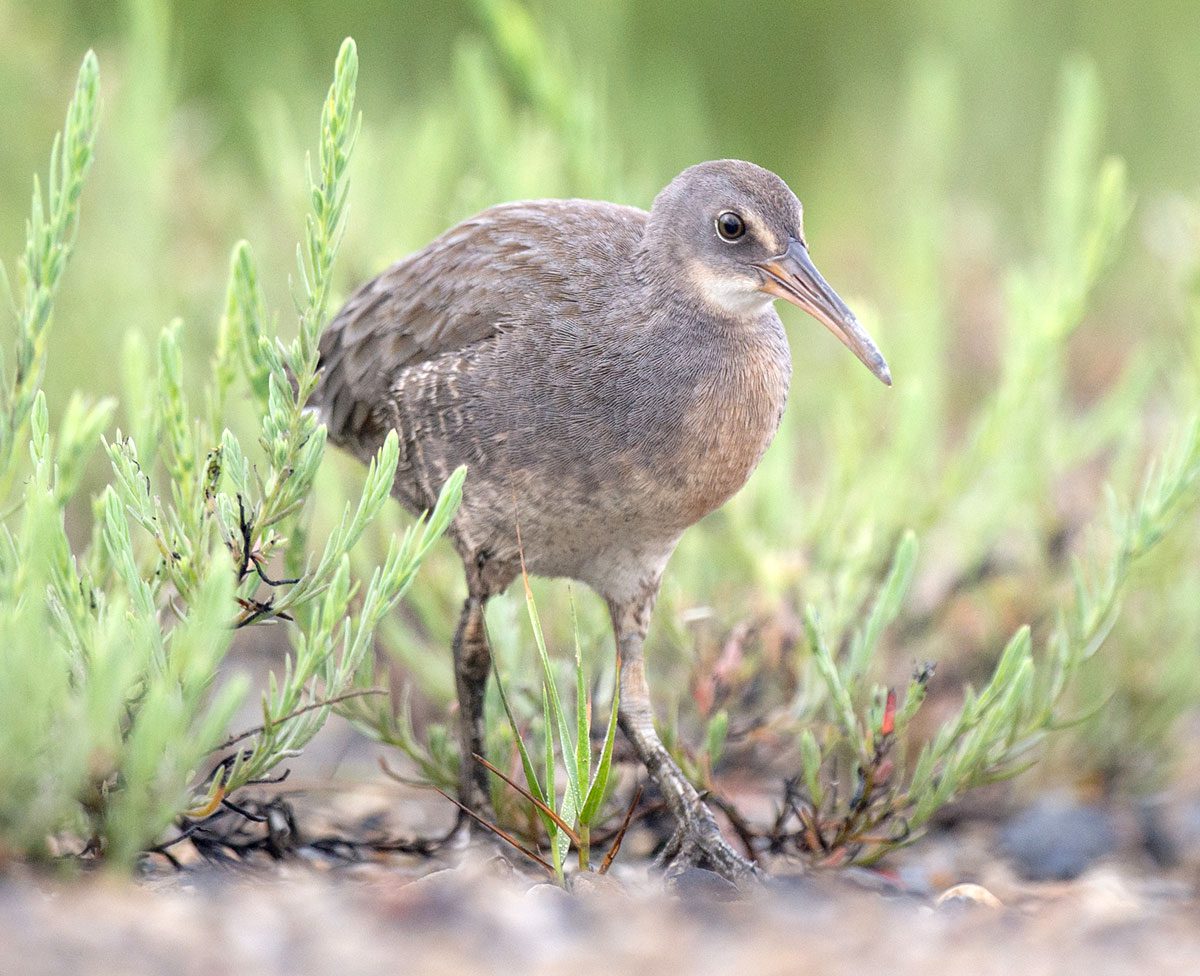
x=731, y=421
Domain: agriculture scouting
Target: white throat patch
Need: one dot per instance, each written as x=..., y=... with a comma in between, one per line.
x=731, y=296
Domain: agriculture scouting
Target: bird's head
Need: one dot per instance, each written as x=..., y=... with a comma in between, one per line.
x=733, y=233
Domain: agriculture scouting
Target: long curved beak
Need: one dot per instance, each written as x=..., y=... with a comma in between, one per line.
x=793, y=277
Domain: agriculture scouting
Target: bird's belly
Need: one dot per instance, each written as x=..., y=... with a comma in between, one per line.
x=616, y=557
x=562, y=524
x=609, y=519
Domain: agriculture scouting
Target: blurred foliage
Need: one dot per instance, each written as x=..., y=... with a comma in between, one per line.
x=969, y=174
x=109, y=652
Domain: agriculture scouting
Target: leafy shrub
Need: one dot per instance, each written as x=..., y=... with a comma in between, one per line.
x=109, y=650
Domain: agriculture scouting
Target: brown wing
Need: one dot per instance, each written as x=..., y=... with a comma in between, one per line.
x=481, y=277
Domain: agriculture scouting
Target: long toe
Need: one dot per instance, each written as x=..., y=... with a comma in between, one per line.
x=701, y=845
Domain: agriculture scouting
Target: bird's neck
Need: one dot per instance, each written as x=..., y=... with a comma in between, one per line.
x=739, y=372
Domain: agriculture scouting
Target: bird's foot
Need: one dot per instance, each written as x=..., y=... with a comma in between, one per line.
x=699, y=843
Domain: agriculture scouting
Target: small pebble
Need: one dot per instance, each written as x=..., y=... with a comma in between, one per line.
x=968, y=896
x=554, y=904
x=589, y=884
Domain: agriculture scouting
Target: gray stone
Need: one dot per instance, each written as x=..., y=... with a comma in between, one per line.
x=1057, y=840
x=700, y=884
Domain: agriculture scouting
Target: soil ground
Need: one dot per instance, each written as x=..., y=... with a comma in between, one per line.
x=330, y=908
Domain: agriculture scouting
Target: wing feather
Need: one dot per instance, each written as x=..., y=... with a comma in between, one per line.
x=504, y=269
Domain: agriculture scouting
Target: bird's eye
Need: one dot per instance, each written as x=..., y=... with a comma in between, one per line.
x=730, y=226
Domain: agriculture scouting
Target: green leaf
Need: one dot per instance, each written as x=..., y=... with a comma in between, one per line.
x=551, y=688
x=599, y=783
x=887, y=604
x=715, y=735
x=810, y=755
x=583, y=725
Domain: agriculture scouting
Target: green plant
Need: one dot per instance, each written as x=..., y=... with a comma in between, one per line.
x=49, y=240
x=569, y=820
x=557, y=741
x=993, y=734
x=111, y=650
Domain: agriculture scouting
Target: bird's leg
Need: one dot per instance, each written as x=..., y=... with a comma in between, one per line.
x=698, y=840
x=472, y=661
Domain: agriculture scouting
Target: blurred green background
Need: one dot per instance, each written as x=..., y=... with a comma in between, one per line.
x=918, y=135
x=207, y=105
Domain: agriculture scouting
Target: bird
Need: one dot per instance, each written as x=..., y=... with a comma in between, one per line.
x=608, y=376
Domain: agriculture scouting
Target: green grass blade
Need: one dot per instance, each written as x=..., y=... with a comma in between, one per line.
x=556, y=709
x=552, y=789
x=531, y=778
x=583, y=708
x=599, y=783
